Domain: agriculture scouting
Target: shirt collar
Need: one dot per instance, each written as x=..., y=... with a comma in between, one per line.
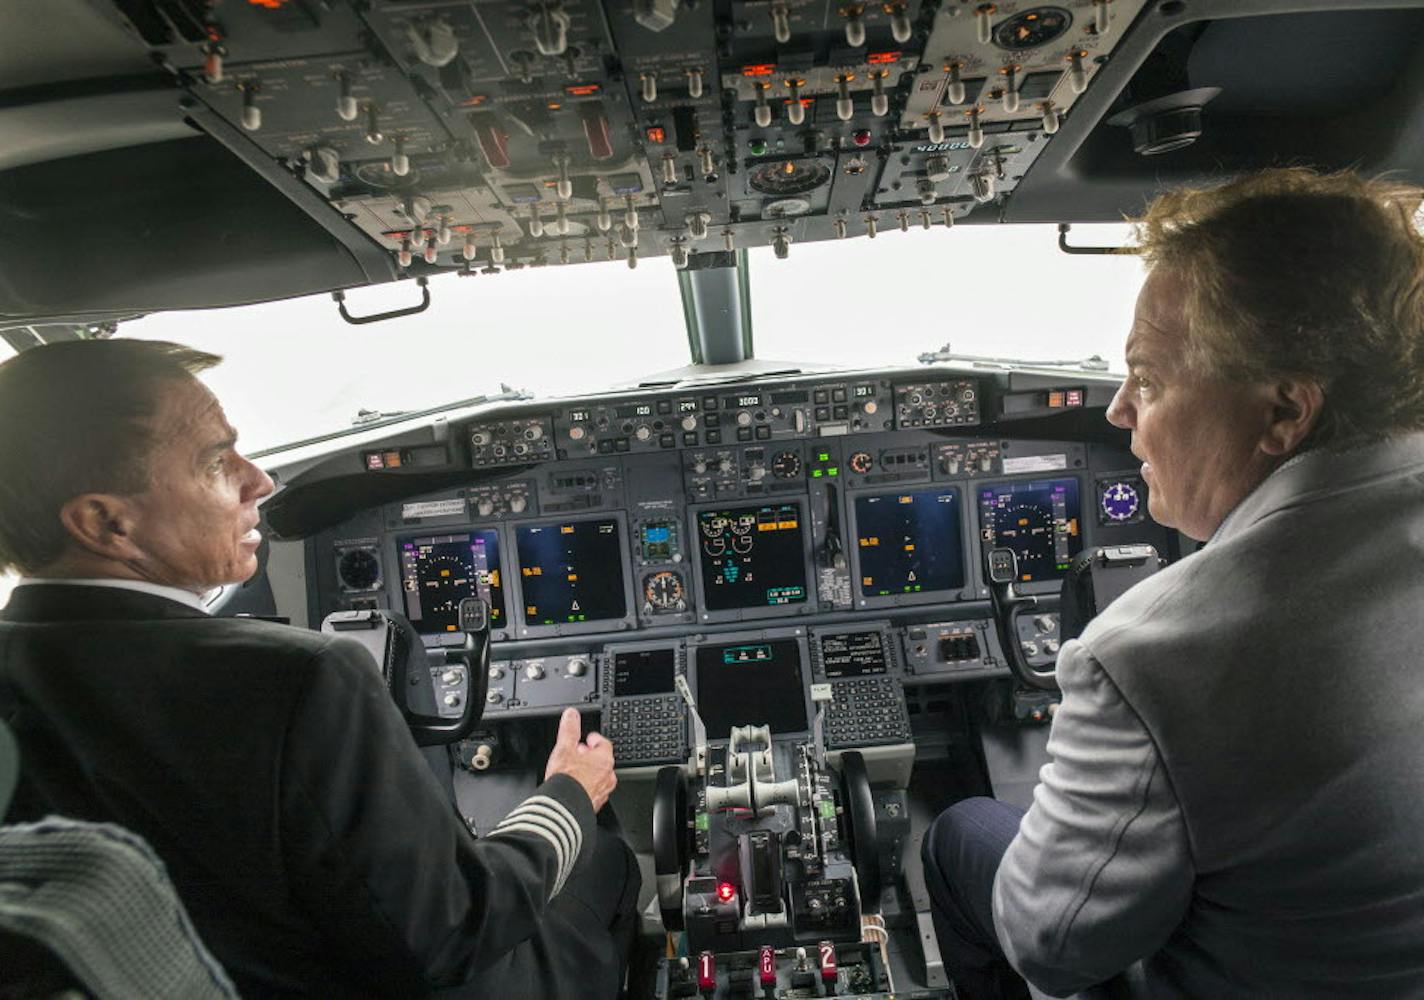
x=197, y=601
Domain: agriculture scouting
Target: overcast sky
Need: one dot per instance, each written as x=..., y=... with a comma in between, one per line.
x=294, y=368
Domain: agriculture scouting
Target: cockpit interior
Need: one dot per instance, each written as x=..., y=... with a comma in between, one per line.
x=810, y=605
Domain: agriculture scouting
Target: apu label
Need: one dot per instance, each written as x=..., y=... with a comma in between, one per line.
x=433, y=508
x=1035, y=463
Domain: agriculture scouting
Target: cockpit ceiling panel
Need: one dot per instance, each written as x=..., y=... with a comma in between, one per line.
x=419, y=137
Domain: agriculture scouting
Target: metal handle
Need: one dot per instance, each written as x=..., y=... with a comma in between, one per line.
x=339, y=298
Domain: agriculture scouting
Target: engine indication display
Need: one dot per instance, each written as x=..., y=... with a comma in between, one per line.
x=909, y=543
x=752, y=557
x=751, y=684
x=1039, y=519
x=571, y=571
x=438, y=572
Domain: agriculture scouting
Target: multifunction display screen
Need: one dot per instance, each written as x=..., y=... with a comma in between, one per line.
x=852, y=654
x=440, y=571
x=752, y=557
x=909, y=543
x=644, y=671
x=1041, y=520
x=571, y=572
x=751, y=684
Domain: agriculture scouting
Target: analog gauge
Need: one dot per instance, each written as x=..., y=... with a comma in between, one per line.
x=359, y=569
x=861, y=462
x=715, y=546
x=1032, y=28
x=743, y=524
x=784, y=178
x=786, y=465
x=1120, y=502
x=664, y=591
x=714, y=527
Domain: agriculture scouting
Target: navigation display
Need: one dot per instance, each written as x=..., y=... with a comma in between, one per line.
x=752, y=557
x=643, y=671
x=571, y=571
x=852, y=654
x=1039, y=519
x=909, y=543
x=751, y=684
x=437, y=572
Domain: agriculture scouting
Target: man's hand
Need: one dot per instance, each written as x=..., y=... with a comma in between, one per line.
x=589, y=763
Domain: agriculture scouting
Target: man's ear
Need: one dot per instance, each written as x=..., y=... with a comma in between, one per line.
x=1296, y=408
x=101, y=524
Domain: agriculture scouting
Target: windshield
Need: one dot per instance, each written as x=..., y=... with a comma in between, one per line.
x=294, y=369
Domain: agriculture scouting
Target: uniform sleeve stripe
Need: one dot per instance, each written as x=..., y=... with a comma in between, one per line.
x=570, y=832
x=551, y=820
x=553, y=841
x=560, y=811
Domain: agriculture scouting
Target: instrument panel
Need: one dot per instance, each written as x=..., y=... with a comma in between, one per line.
x=635, y=532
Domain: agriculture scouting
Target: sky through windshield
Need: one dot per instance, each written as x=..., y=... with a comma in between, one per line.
x=293, y=369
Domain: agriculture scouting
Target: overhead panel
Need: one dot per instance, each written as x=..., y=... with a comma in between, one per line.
x=507, y=133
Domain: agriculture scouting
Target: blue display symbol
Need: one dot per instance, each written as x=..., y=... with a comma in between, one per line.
x=1120, y=501
x=660, y=533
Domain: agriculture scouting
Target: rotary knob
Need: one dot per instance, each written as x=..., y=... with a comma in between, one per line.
x=577, y=432
x=578, y=666
x=643, y=433
x=744, y=419
x=517, y=504
x=689, y=423
x=534, y=672
x=485, y=508
x=494, y=698
x=451, y=700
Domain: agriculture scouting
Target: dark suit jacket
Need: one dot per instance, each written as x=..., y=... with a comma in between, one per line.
x=271, y=772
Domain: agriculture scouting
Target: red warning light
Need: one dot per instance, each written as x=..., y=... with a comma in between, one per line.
x=657, y=134
x=582, y=89
x=726, y=891
x=759, y=69
x=268, y=4
x=883, y=58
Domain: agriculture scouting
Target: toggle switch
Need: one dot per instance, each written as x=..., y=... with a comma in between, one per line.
x=1078, y=72
x=855, y=27
x=936, y=127
x=975, y=135
x=845, y=104
x=251, y=113
x=795, y=110
x=346, y=108
x=761, y=112
x=879, y=100
x=983, y=22
x=954, y=87
x=781, y=23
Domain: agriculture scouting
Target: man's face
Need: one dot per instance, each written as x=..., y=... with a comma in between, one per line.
x=196, y=524
x=1198, y=437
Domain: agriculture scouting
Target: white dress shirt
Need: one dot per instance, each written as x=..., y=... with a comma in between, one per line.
x=178, y=594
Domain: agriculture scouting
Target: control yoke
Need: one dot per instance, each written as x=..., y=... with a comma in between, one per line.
x=1009, y=605
x=1095, y=579
x=406, y=666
